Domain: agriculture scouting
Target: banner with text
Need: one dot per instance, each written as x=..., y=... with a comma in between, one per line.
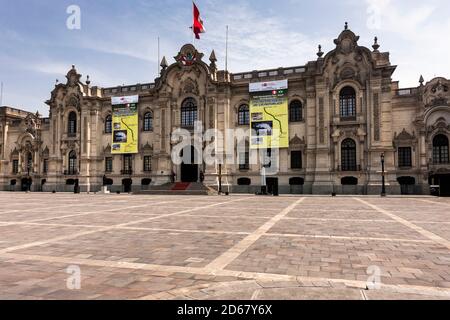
x=269, y=118
x=125, y=125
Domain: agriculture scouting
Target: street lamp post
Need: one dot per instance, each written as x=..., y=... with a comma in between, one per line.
x=220, y=178
x=383, y=187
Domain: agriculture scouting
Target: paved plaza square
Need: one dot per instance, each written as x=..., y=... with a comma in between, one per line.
x=214, y=247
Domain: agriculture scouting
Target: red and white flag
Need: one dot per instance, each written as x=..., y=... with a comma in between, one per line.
x=197, y=26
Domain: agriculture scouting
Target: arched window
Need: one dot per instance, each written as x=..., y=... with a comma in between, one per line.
x=440, y=150
x=108, y=124
x=244, y=115
x=72, y=163
x=148, y=121
x=72, y=125
x=347, y=98
x=244, y=182
x=295, y=111
x=188, y=113
x=348, y=155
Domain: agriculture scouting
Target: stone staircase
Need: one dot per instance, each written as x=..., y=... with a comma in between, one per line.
x=179, y=188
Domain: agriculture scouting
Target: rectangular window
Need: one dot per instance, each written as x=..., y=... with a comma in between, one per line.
x=244, y=160
x=15, y=165
x=296, y=160
x=404, y=157
x=127, y=164
x=45, y=166
x=147, y=164
x=109, y=164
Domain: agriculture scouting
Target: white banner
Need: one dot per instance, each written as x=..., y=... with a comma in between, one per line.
x=124, y=100
x=268, y=86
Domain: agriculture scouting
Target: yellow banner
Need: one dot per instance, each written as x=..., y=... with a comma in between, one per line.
x=125, y=125
x=269, y=118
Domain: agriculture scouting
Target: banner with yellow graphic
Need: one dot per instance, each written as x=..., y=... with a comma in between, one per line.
x=269, y=117
x=125, y=125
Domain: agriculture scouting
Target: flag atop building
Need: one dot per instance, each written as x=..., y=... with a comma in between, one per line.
x=197, y=26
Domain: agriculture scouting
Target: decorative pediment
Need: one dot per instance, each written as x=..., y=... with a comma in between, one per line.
x=403, y=136
x=296, y=142
x=15, y=153
x=147, y=149
x=45, y=152
x=107, y=150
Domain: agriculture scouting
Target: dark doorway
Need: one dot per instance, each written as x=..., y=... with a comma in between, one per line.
x=272, y=185
x=127, y=183
x=26, y=184
x=443, y=181
x=407, y=185
x=189, y=170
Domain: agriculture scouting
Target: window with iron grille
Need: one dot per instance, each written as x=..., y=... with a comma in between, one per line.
x=108, y=124
x=295, y=111
x=188, y=113
x=72, y=163
x=440, y=149
x=127, y=164
x=72, y=125
x=15, y=166
x=148, y=122
x=147, y=164
x=405, y=157
x=45, y=166
x=347, y=100
x=348, y=155
x=244, y=115
x=109, y=164
x=296, y=160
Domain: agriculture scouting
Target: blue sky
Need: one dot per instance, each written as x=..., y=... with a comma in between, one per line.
x=117, y=42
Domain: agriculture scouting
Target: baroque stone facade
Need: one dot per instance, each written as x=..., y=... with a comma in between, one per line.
x=345, y=112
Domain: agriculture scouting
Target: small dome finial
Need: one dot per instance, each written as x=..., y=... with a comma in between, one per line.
x=88, y=82
x=346, y=26
x=320, y=52
x=375, y=46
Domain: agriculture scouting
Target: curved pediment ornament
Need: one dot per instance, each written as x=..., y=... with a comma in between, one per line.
x=347, y=41
x=33, y=123
x=188, y=55
x=73, y=77
x=437, y=93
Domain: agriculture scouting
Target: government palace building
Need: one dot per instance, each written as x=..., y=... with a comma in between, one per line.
x=346, y=114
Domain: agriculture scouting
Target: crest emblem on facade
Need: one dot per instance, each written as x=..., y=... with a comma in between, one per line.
x=188, y=55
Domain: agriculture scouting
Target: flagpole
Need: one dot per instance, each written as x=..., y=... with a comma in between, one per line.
x=226, y=52
x=1, y=95
x=159, y=60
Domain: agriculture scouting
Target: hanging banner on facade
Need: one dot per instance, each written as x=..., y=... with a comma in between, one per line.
x=269, y=118
x=125, y=125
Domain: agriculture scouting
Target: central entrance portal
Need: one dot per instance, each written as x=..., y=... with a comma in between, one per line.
x=189, y=170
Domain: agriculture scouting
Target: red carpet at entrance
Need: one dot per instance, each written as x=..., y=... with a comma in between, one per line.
x=181, y=186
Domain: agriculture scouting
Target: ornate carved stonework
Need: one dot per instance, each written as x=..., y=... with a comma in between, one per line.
x=189, y=86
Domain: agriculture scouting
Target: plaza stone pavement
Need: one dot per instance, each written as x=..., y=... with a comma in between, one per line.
x=236, y=247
